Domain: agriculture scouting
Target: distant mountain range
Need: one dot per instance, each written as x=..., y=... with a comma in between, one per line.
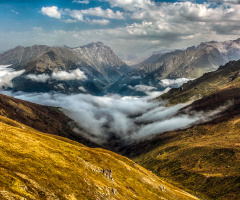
x=97, y=62
x=96, y=69
x=190, y=63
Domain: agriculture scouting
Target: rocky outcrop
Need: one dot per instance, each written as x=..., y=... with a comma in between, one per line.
x=107, y=173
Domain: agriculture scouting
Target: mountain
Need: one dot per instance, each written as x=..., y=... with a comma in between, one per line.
x=190, y=63
x=52, y=72
x=42, y=118
x=103, y=59
x=142, y=76
x=97, y=61
x=204, y=158
x=136, y=62
x=22, y=54
x=36, y=165
x=226, y=76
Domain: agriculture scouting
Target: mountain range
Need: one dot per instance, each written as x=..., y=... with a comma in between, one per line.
x=190, y=63
x=96, y=62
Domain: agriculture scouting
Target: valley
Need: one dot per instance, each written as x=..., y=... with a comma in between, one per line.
x=64, y=111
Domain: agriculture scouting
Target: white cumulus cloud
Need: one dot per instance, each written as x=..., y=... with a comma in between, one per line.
x=99, y=12
x=51, y=12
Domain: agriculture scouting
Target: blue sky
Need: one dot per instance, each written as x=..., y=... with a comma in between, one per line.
x=129, y=27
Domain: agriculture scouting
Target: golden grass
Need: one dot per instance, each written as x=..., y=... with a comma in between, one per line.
x=205, y=158
x=34, y=165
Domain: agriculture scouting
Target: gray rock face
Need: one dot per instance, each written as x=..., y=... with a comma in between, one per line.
x=103, y=59
x=21, y=54
x=194, y=61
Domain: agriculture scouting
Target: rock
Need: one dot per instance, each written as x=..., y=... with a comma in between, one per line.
x=108, y=173
x=233, y=77
x=114, y=191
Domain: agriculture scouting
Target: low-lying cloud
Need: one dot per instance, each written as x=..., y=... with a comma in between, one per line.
x=127, y=118
x=174, y=83
x=7, y=75
x=76, y=74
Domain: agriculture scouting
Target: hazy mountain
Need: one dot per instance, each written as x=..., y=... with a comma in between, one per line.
x=194, y=61
x=141, y=76
x=135, y=62
x=189, y=63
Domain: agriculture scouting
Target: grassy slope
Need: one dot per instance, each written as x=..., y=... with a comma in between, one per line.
x=204, y=158
x=43, y=118
x=207, y=84
x=35, y=165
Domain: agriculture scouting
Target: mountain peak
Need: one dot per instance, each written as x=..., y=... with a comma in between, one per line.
x=97, y=44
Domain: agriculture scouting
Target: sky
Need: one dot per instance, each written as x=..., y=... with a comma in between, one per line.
x=130, y=27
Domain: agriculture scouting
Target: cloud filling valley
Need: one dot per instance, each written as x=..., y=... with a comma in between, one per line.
x=127, y=118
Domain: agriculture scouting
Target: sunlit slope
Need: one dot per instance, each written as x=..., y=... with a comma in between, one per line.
x=204, y=158
x=46, y=119
x=227, y=76
x=34, y=165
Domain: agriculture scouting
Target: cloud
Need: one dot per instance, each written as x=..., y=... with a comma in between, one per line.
x=130, y=4
x=136, y=77
x=231, y=1
x=76, y=14
x=7, y=75
x=15, y=12
x=82, y=89
x=70, y=21
x=171, y=124
x=143, y=88
x=81, y=1
x=173, y=82
x=128, y=118
x=59, y=75
x=51, y=12
x=76, y=74
x=99, y=12
x=99, y=21
x=42, y=78
x=149, y=26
